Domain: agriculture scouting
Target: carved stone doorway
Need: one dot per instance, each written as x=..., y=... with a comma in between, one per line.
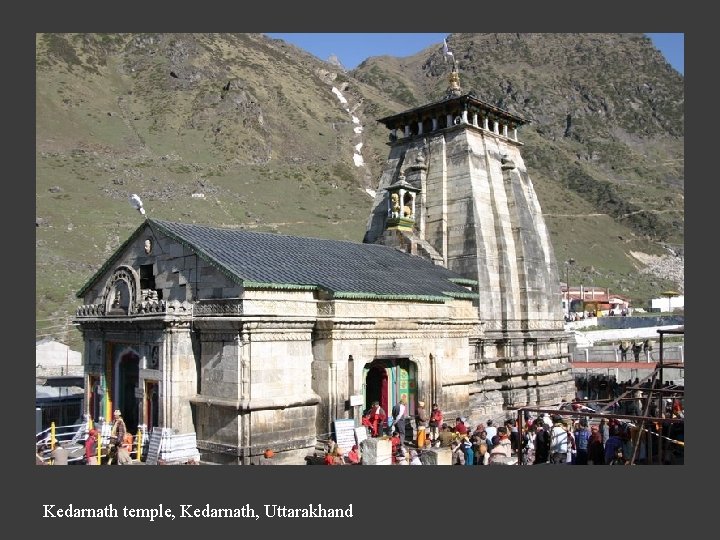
x=128, y=376
x=386, y=379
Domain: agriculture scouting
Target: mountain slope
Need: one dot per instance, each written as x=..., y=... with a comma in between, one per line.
x=242, y=130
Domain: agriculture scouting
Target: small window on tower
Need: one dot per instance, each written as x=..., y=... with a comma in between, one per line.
x=147, y=277
x=147, y=284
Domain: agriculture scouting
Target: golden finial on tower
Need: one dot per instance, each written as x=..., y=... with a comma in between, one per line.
x=454, y=80
x=454, y=77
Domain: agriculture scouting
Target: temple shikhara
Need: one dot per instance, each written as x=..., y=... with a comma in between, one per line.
x=254, y=340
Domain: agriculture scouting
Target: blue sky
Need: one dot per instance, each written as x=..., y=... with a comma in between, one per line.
x=673, y=47
x=352, y=49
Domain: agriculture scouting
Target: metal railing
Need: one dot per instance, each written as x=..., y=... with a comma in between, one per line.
x=73, y=438
x=611, y=354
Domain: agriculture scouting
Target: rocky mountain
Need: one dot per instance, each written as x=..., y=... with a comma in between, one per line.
x=242, y=130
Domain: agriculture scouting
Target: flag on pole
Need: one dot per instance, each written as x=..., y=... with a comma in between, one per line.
x=446, y=51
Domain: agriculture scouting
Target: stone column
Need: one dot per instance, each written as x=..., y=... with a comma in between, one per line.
x=514, y=133
x=475, y=119
x=465, y=117
x=505, y=130
x=485, y=123
x=420, y=127
x=179, y=379
x=496, y=127
x=434, y=123
x=242, y=346
x=407, y=130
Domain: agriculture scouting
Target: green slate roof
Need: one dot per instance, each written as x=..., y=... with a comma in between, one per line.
x=346, y=269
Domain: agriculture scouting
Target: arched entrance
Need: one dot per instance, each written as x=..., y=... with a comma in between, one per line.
x=128, y=375
x=386, y=379
x=376, y=386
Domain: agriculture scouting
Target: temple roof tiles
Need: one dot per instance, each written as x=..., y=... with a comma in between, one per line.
x=345, y=269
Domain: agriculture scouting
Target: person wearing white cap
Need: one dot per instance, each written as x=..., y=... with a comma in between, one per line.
x=117, y=434
x=421, y=420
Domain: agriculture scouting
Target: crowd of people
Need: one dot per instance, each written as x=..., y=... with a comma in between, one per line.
x=560, y=439
x=487, y=444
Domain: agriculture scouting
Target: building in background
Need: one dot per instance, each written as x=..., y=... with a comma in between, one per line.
x=668, y=303
x=55, y=359
x=59, y=381
x=584, y=301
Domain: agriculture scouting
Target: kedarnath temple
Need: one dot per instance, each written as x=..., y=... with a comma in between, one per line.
x=254, y=340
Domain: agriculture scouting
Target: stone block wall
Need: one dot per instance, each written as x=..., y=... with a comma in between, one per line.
x=436, y=456
x=220, y=371
x=217, y=424
x=283, y=429
x=377, y=452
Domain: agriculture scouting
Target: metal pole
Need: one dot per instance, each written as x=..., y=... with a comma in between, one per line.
x=520, y=437
x=642, y=422
x=567, y=285
x=661, y=411
x=138, y=450
x=567, y=281
x=661, y=358
x=587, y=383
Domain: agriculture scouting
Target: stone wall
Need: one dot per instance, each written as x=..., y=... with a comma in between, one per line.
x=438, y=346
x=255, y=390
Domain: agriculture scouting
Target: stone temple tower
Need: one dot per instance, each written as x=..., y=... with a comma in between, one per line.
x=455, y=189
